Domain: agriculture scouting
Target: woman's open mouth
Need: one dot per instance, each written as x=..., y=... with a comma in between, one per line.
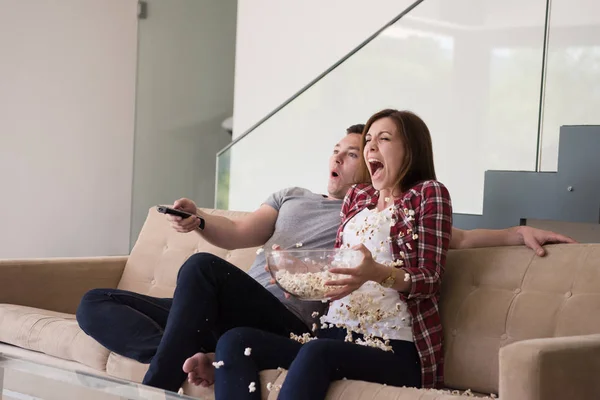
x=375, y=168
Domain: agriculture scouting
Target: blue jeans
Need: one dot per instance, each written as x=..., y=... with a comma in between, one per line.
x=312, y=366
x=212, y=296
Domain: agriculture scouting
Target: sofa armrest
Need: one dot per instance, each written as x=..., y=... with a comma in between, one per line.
x=552, y=368
x=56, y=284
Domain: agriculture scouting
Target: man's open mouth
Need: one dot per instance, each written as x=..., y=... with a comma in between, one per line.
x=334, y=174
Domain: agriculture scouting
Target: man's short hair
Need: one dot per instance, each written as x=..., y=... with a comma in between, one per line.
x=358, y=128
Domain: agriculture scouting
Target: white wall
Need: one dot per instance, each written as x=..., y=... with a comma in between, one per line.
x=283, y=45
x=471, y=68
x=185, y=90
x=473, y=78
x=67, y=100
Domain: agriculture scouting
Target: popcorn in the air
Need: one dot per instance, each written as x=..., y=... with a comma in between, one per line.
x=411, y=213
x=299, y=244
x=406, y=277
x=269, y=386
x=252, y=387
x=415, y=236
x=386, y=199
x=247, y=351
x=315, y=314
x=218, y=364
x=314, y=327
x=409, y=246
x=259, y=250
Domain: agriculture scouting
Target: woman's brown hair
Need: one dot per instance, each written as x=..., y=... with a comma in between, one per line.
x=418, y=150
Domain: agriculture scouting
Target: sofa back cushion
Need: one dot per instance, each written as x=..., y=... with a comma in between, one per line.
x=159, y=252
x=496, y=296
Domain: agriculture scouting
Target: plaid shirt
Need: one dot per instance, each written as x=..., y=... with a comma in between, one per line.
x=421, y=241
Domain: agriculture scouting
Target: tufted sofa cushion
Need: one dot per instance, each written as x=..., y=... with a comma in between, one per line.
x=497, y=296
x=159, y=252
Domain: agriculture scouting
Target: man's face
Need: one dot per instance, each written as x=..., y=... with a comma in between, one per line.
x=344, y=166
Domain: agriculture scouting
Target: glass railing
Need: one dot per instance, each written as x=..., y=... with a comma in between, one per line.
x=488, y=79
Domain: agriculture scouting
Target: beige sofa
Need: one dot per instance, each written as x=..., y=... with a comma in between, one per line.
x=525, y=327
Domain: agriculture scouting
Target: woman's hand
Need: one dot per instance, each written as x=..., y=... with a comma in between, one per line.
x=368, y=270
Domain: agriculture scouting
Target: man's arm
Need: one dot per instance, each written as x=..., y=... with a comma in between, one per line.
x=515, y=236
x=251, y=230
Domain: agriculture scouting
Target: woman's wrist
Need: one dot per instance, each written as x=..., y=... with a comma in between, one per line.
x=380, y=272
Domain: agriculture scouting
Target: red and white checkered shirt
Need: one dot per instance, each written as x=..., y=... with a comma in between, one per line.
x=421, y=240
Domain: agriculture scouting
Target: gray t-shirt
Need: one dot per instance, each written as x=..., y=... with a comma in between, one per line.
x=304, y=217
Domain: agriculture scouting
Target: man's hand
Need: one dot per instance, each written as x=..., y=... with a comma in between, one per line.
x=188, y=224
x=536, y=238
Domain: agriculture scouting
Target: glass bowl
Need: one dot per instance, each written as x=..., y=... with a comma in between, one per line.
x=303, y=273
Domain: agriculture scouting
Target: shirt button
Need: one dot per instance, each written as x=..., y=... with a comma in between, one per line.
x=568, y=294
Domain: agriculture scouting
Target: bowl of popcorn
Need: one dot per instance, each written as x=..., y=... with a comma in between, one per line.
x=303, y=273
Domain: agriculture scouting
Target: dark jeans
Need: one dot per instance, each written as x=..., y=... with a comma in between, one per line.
x=212, y=296
x=312, y=366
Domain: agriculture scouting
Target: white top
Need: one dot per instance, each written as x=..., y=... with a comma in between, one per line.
x=378, y=310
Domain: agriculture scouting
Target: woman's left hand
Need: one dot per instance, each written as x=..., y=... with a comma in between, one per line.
x=357, y=276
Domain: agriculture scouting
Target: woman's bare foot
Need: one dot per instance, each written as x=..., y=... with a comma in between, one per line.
x=200, y=369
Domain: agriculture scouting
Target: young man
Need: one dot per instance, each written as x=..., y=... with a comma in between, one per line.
x=213, y=296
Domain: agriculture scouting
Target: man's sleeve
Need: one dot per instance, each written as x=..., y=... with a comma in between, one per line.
x=276, y=199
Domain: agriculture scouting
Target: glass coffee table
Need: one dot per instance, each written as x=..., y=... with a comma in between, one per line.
x=26, y=380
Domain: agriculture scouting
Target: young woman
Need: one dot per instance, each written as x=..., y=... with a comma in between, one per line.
x=383, y=324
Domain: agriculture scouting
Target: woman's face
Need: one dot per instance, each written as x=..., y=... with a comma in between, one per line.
x=384, y=153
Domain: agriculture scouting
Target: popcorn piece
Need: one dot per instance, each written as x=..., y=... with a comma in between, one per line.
x=415, y=236
x=259, y=250
x=299, y=244
x=218, y=364
x=406, y=277
x=271, y=387
x=411, y=213
x=252, y=387
x=397, y=263
x=373, y=342
x=409, y=246
x=180, y=391
x=305, y=338
x=247, y=351
x=314, y=327
x=386, y=199
x=279, y=369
